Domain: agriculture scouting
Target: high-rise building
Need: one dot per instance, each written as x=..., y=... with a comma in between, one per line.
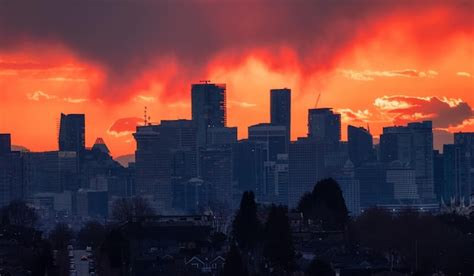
x=403, y=181
x=5, y=143
x=280, y=109
x=306, y=168
x=272, y=136
x=324, y=125
x=216, y=167
x=452, y=159
x=249, y=160
x=360, y=145
x=374, y=189
x=165, y=160
x=208, y=108
x=52, y=171
x=350, y=188
x=282, y=178
x=275, y=141
x=464, y=141
x=221, y=136
x=438, y=174
x=72, y=133
x=11, y=172
x=412, y=146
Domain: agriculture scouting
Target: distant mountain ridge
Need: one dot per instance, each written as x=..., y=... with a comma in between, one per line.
x=125, y=159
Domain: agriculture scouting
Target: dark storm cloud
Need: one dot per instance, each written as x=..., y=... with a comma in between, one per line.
x=443, y=112
x=128, y=37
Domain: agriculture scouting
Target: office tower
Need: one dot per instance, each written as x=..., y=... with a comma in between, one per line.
x=165, y=159
x=272, y=136
x=208, y=108
x=72, y=133
x=350, y=188
x=196, y=195
x=403, y=181
x=360, y=145
x=274, y=139
x=249, y=159
x=438, y=173
x=282, y=178
x=222, y=136
x=306, y=168
x=280, y=109
x=11, y=172
x=373, y=186
x=324, y=125
x=335, y=157
x=5, y=143
x=52, y=171
x=216, y=168
x=412, y=146
x=465, y=142
x=452, y=159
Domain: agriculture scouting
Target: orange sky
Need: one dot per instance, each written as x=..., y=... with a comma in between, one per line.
x=395, y=72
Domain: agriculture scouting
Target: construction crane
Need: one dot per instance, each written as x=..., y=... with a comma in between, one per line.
x=317, y=100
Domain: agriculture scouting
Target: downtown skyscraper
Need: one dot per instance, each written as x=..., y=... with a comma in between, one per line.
x=412, y=147
x=324, y=125
x=72, y=132
x=280, y=109
x=208, y=108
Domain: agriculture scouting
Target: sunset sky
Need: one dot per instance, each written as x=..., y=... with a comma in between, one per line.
x=378, y=63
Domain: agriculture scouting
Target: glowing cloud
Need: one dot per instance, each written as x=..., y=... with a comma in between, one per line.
x=370, y=75
x=444, y=112
x=464, y=74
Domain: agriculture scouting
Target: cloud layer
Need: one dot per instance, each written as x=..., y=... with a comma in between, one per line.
x=128, y=39
x=444, y=112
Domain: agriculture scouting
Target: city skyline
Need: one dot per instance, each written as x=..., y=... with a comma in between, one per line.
x=375, y=69
x=236, y=137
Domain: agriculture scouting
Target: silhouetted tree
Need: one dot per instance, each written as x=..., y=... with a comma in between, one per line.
x=124, y=209
x=92, y=234
x=278, y=246
x=43, y=262
x=60, y=236
x=19, y=213
x=325, y=205
x=234, y=266
x=246, y=226
x=319, y=268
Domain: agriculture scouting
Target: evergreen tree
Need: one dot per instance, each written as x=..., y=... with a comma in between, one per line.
x=325, y=205
x=278, y=243
x=234, y=265
x=246, y=226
